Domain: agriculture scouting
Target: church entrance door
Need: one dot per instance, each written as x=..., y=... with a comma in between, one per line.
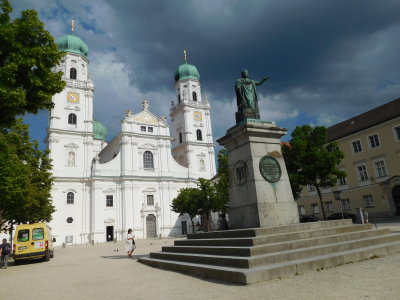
x=109, y=233
x=184, y=227
x=396, y=198
x=151, y=226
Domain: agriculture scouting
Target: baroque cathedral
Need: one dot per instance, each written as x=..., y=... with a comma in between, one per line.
x=101, y=189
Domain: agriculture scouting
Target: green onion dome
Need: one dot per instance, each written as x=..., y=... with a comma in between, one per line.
x=72, y=43
x=99, y=130
x=186, y=71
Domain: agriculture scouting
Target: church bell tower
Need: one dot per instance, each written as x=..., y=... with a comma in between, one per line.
x=192, y=144
x=70, y=132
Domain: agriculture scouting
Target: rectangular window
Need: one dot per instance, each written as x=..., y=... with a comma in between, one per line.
x=23, y=235
x=150, y=129
x=314, y=207
x=37, y=234
x=329, y=206
x=302, y=210
x=143, y=128
x=346, y=204
x=150, y=200
x=342, y=181
x=368, y=201
x=373, y=141
x=362, y=173
x=109, y=201
x=357, y=146
x=380, y=169
x=397, y=132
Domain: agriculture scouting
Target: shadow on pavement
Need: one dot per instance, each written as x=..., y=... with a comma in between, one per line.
x=123, y=256
x=25, y=262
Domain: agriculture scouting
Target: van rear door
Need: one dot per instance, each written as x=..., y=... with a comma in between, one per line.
x=23, y=241
x=38, y=239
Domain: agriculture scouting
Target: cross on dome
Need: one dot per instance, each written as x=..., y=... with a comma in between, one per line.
x=145, y=104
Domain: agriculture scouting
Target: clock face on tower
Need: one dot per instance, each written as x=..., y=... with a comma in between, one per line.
x=73, y=97
x=197, y=116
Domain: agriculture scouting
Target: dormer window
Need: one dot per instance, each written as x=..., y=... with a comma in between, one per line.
x=72, y=119
x=194, y=96
x=72, y=73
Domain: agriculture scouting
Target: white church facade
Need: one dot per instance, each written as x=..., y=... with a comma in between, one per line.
x=101, y=189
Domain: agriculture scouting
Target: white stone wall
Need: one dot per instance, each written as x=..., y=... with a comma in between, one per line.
x=98, y=168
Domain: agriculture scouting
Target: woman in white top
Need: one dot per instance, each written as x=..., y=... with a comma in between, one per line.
x=130, y=246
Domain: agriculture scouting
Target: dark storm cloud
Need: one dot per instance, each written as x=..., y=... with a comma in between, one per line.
x=328, y=60
x=308, y=45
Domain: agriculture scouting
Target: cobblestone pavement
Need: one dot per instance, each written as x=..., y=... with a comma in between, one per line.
x=102, y=272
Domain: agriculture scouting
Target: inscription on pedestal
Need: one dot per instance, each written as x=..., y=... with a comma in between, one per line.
x=270, y=169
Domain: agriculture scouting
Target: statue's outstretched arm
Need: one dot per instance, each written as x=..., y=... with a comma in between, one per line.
x=261, y=81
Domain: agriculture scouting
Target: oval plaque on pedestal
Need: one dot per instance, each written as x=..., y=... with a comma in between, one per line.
x=270, y=169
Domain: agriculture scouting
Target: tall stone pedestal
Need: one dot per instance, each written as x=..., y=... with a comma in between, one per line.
x=259, y=189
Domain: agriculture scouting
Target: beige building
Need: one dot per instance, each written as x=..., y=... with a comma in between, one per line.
x=371, y=146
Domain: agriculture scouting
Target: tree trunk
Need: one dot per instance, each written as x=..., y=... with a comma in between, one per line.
x=320, y=201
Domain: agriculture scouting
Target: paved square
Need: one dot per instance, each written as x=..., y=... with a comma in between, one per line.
x=97, y=272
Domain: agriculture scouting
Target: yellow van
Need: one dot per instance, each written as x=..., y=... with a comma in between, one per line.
x=33, y=241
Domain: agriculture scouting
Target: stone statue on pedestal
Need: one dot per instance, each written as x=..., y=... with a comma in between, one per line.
x=246, y=97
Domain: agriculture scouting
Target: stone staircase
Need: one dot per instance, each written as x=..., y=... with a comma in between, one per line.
x=247, y=256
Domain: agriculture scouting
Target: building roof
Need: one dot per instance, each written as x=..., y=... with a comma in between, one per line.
x=72, y=43
x=99, y=130
x=186, y=71
x=365, y=120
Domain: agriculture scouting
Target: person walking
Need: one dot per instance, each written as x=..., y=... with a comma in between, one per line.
x=130, y=243
x=5, y=251
x=365, y=215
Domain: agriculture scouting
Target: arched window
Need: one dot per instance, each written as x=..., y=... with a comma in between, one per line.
x=148, y=160
x=180, y=138
x=72, y=119
x=72, y=73
x=194, y=96
x=199, y=135
x=71, y=158
x=70, y=198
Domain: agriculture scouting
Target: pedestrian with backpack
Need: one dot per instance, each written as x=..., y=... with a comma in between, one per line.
x=5, y=251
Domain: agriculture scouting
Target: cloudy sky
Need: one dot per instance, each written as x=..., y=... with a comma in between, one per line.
x=328, y=60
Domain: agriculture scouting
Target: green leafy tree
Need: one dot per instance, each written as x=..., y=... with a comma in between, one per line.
x=207, y=200
x=25, y=178
x=310, y=159
x=186, y=203
x=28, y=55
x=208, y=197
